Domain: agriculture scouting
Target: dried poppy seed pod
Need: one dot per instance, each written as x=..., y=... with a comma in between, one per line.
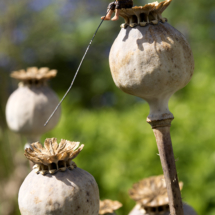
x=153, y=61
x=56, y=186
x=31, y=104
x=108, y=207
x=151, y=197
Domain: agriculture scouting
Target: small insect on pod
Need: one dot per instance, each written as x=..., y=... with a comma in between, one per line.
x=56, y=185
x=151, y=197
x=30, y=105
x=108, y=207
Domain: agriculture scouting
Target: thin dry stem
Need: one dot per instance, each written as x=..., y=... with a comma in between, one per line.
x=163, y=139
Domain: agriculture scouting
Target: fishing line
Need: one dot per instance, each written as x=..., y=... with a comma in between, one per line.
x=77, y=69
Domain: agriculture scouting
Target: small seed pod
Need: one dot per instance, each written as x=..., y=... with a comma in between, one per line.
x=151, y=197
x=152, y=60
x=55, y=185
x=108, y=207
x=31, y=104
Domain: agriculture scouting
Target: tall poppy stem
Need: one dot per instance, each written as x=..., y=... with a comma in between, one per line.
x=161, y=129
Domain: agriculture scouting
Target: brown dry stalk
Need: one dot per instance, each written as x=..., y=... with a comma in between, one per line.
x=161, y=131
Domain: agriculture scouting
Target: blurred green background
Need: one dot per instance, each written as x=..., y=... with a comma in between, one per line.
x=120, y=147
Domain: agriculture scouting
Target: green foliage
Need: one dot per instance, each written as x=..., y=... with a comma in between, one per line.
x=120, y=147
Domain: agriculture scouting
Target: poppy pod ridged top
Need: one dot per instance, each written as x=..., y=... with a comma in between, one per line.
x=31, y=104
x=151, y=197
x=56, y=185
x=150, y=58
x=108, y=207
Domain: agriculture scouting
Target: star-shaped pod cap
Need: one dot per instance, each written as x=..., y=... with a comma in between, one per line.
x=53, y=156
x=151, y=192
x=109, y=206
x=33, y=73
x=149, y=13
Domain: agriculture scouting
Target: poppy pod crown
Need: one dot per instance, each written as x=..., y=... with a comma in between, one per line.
x=108, y=206
x=53, y=157
x=34, y=75
x=142, y=15
x=151, y=192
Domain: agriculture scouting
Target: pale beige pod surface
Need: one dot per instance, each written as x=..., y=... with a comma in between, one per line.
x=29, y=107
x=31, y=104
x=65, y=193
x=151, y=62
x=56, y=186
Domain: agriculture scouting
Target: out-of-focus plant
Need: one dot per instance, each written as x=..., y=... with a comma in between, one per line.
x=31, y=104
